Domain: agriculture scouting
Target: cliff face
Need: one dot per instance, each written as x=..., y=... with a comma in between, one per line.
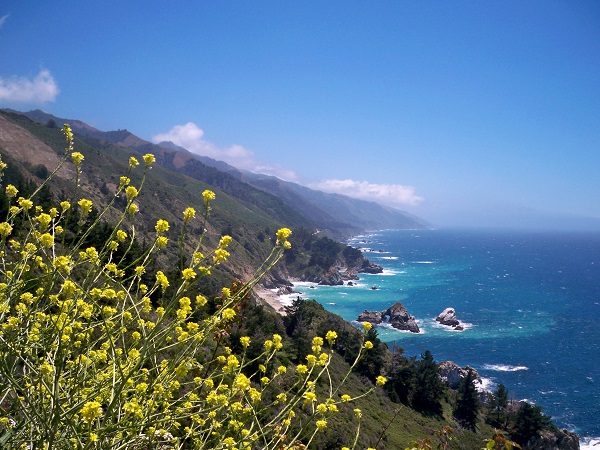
x=319, y=259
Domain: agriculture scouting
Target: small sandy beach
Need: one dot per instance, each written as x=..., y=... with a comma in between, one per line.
x=271, y=298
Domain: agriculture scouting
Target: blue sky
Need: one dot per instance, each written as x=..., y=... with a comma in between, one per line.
x=463, y=113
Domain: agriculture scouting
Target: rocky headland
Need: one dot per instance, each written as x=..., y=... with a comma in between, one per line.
x=397, y=316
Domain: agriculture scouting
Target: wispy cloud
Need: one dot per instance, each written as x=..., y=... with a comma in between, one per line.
x=3, y=20
x=389, y=194
x=191, y=137
x=41, y=89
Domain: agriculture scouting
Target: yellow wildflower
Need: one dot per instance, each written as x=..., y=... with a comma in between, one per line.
x=91, y=411
x=131, y=192
x=162, y=279
x=5, y=229
x=228, y=314
x=381, y=380
x=11, y=191
x=25, y=203
x=208, y=196
x=85, y=205
x=149, y=159
x=188, y=274
x=162, y=226
x=321, y=424
x=188, y=214
x=47, y=240
x=77, y=157
x=331, y=336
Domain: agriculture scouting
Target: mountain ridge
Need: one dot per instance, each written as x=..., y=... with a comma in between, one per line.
x=336, y=215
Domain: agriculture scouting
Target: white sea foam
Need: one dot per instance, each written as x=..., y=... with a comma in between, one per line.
x=389, y=257
x=504, y=367
x=466, y=326
x=387, y=273
x=422, y=262
x=590, y=443
x=485, y=385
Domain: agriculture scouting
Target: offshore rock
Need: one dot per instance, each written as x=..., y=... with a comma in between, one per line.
x=448, y=317
x=553, y=440
x=369, y=267
x=397, y=316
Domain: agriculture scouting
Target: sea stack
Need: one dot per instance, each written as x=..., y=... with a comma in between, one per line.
x=448, y=317
x=397, y=316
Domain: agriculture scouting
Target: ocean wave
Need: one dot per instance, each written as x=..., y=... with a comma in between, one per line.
x=589, y=443
x=422, y=262
x=484, y=385
x=504, y=367
x=388, y=273
x=389, y=257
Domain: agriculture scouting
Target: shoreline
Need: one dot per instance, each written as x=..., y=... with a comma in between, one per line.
x=270, y=298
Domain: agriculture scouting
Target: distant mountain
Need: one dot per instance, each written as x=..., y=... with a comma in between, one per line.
x=334, y=209
x=336, y=215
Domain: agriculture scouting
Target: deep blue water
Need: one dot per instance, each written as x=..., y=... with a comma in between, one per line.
x=531, y=302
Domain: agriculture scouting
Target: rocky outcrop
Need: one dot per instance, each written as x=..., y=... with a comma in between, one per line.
x=369, y=267
x=332, y=277
x=452, y=373
x=553, y=440
x=397, y=316
x=448, y=317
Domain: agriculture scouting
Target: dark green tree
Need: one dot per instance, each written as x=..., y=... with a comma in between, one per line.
x=498, y=404
x=372, y=362
x=528, y=422
x=401, y=374
x=428, y=386
x=467, y=402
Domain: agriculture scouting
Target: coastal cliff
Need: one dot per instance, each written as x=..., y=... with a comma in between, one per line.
x=321, y=260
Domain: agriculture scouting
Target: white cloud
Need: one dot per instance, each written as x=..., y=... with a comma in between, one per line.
x=389, y=194
x=3, y=20
x=191, y=137
x=40, y=89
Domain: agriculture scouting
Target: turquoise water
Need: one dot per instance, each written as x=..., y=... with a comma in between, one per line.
x=530, y=303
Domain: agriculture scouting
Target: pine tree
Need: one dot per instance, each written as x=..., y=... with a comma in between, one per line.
x=528, y=422
x=429, y=387
x=467, y=402
x=497, y=416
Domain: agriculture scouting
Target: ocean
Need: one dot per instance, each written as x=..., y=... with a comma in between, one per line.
x=529, y=302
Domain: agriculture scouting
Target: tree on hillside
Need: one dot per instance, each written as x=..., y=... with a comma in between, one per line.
x=401, y=373
x=373, y=360
x=528, y=421
x=498, y=404
x=428, y=386
x=467, y=402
